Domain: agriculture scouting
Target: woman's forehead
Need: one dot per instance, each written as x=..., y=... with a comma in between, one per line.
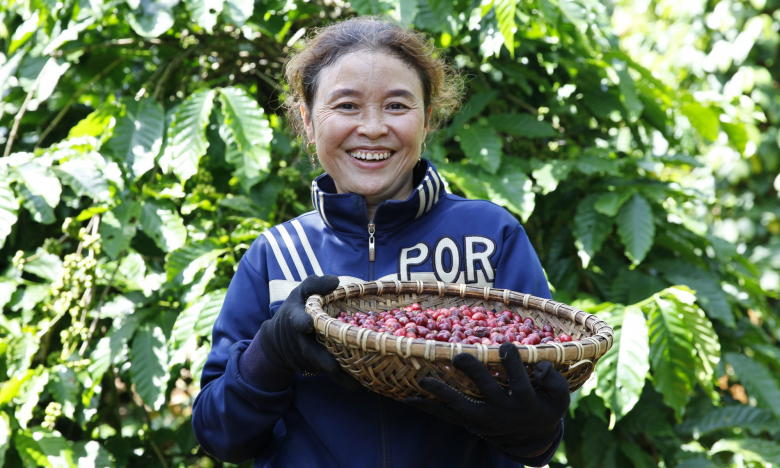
x=362, y=73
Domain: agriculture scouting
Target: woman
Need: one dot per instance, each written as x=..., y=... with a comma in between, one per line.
x=364, y=94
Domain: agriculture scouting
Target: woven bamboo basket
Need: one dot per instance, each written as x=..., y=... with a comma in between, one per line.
x=392, y=365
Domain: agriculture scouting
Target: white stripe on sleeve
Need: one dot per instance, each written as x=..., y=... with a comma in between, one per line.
x=307, y=247
x=422, y=201
x=279, y=257
x=293, y=252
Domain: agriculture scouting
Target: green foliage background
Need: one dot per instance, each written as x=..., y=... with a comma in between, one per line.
x=145, y=149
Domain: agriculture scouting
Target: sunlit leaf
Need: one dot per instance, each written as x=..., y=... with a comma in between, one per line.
x=85, y=178
x=138, y=135
x=149, y=369
x=238, y=11
x=628, y=92
x=28, y=397
x=251, y=133
x=192, y=258
x=591, y=229
x=705, y=120
x=623, y=369
x=205, y=12
x=44, y=265
x=752, y=450
x=5, y=436
x=482, y=146
x=40, y=448
x=161, y=222
x=119, y=226
x=153, y=18
x=505, y=14
x=609, y=204
x=671, y=354
x=187, y=137
x=39, y=181
x=9, y=206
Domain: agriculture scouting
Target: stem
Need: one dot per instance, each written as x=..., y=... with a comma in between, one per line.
x=151, y=440
x=75, y=96
x=20, y=114
x=174, y=63
x=94, y=323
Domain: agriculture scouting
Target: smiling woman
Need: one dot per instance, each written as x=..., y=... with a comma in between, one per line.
x=365, y=93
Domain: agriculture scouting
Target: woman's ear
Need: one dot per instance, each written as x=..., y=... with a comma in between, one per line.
x=307, y=125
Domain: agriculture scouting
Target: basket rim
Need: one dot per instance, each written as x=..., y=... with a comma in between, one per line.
x=588, y=349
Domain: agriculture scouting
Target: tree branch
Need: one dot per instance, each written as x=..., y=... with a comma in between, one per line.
x=21, y=112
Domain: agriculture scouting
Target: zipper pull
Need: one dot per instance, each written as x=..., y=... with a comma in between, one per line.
x=371, y=250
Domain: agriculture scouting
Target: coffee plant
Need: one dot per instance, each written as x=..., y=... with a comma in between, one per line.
x=145, y=148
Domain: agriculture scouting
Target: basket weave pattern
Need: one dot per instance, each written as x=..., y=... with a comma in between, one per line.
x=392, y=365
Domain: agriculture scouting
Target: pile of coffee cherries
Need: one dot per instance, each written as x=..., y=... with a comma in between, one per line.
x=464, y=324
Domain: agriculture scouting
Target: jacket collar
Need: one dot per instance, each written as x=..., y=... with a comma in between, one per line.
x=348, y=211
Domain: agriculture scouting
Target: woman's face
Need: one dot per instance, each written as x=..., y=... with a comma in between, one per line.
x=368, y=122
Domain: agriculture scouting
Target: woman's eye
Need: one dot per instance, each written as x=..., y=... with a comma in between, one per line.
x=397, y=106
x=346, y=106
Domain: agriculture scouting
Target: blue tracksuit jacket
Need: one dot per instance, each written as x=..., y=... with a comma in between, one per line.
x=314, y=422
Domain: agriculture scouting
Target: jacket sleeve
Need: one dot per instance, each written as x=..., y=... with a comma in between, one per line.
x=519, y=269
x=233, y=420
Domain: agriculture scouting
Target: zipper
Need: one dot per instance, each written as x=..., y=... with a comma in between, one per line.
x=371, y=250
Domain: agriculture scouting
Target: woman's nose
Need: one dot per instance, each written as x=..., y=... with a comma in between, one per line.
x=372, y=124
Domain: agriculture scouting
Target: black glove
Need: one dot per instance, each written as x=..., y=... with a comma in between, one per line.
x=288, y=338
x=522, y=422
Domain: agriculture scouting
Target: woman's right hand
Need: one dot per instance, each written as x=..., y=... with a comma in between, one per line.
x=288, y=337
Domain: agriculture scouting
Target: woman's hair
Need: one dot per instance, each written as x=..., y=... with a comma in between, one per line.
x=442, y=86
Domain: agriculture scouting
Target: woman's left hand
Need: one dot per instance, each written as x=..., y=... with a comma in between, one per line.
x=523, y=421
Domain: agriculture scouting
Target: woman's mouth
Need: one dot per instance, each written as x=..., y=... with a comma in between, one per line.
x=371, y=155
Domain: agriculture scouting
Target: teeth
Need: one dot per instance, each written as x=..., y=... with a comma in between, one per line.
x=368, y=156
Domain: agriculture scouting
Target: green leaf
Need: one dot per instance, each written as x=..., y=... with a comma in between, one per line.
x=737, y=135
x=636, y=228
x=41, y=212
x=404, y=11
x=187, y=261
x=161, y=222
x=20, y=352
x=697, y=463
x=112, y=349
x=23, y=32
x=671, y=354
x=471, y=109
x=65, y=389
x=549, y=174
x=149, y=364
x=91, y=454
x=138, y=135
x=590, y=164
x=153, y=18
x=5, y=436
x=757, y=380
x=99, y=123
x=632, y=286
x=639, y=458
x=369, y=7
x=50, y=76
x=44, y=265
x=212, y=305
x=709, y=293
x=591, y=229
x=205, y=12
x=119, y=226
x=752, y=450
x=512, y=189
x=482, y=146
x=40, y=448
x=238, y=11
x=187, y=141
x=610, y=203
x=251, y=133
x=7, y=289
x=10, y=388
x=28, y=397
x=628, y=94
x=84, y=177
x=39, y=181
x=505, y=14
x=706, y=120
x=522, y=125
x=729, y=417
x=622, y=371
x=9, y=206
